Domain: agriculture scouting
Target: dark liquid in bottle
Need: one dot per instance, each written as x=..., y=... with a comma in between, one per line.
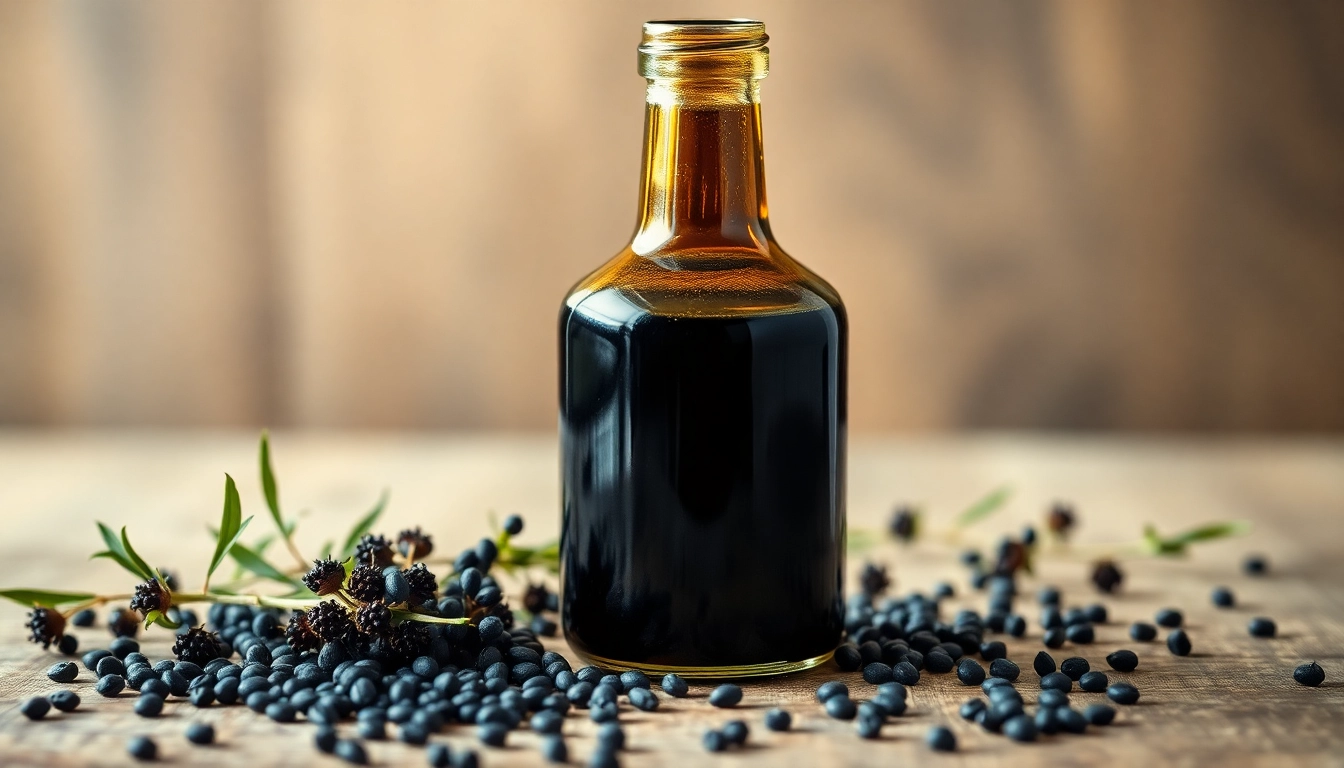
x=702, y=466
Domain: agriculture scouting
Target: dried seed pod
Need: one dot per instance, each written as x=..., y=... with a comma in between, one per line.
x=904, y=523
x=1060, y=519
x=300, y=633
x=373, y=619
x=45, y=626
x=197, y=645
x=325, y=577
x=150, y=596
x=1107, y=576
x=331, y=621
x=422, y=583
x=373, y=550
x=414, y=543
x=366, y=583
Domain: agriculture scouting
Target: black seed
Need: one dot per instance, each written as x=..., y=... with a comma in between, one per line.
x=68, y=644
x=877, y=673
x=1020, y=728
x=1222, y=597
x=35, y=708
x=1255, y=565
x=969, y=672
x=778, y=720
x=941, y=739
x=990, y=719
x=673, y=685
x=1047, y=721
x=1259, y=627
x=1071, y=720
x=1178, y=642
x=142, y=748
x=1044, y=664
x=111, y=685
x=1081, y=634
x=110, y=665
x=372, y=729
x=726, y=695
x=1123, y=660
x=1057, y=681
x=1054, y=638
x=735, y=731
x=1052, y=697
x=714, y=741
x=995, y=682
x=1003, y=668
x=65, y=701
x=939, y=662
x=1169, y=617
x=1123, y=693
x=847, y=657
x=841, y=708
x=84, y=618
x=905, y=673
x=1074, y=667
x=553, y=749
x=1142, y=632
x=632, y=679
x=201, y=733
x=1093, y=682
x=490, y=734
x=869, y=726
x=970, y=708
x=351, y=752
x=1309, y=674
x=149, y=705
x=1096, y=613
x=1099, y=714
x=63, y=672
x=1015, y=625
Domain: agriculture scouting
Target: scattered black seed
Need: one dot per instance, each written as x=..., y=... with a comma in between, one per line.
x=1081, y=634
x=970, y=708
x=1057, y=681
x=1005, y=669
x=1142, y=632
x=1071, y=720
x=1020, y=728
x=65, y=701
x=1099, y=714
x=831, y=688
x=1178, y=642
x=149, y=705
x=142, y=748
x=490, y=734
x=1309, y=674
x=63, y=672
x=994, y=649
x=1093, y=682
x=778, y=720
x=1169, y=617
x=643, y=699
x=905, y=673
x=938, y=662
x=109, y=665
x=847, y=657
x=68, y=644
x=940, y=739
x=35, y=708
x=84, y=618
x=714, y=741
x=841, y=708
x=994, y=682
x=1074, y=667
x=726, y=695
x=877, y=673
x=201, y=733
x=1123, y=660
x=1223, y=598
x=1015, y=625
x=553, y=749
x=1054, y=638
x=1123, y=693
x=1044, y=664
x=111, y=685
x=1047, y=721
x=969, y=672
x=735, y=731
x=351, y=752
x=1255, y=565
x=1051, y=697
x=1262, y=627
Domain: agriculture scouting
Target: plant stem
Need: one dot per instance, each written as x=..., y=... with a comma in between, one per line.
x=264, y=601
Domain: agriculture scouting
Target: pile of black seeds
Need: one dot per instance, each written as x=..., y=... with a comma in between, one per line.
x=357, y=678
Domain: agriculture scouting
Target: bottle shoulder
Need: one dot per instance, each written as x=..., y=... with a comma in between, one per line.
x=710, y=281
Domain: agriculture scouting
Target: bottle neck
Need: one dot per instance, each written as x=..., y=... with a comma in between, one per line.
x=704, y=171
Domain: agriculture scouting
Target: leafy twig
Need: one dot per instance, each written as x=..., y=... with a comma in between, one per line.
x=271, y=491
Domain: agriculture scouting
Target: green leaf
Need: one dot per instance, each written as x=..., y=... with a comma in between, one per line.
x=257, y=564
x=141, y=567
x=401, y=614
x=160, y=618
x=44, y=597
x=858, y=540
x=268, y=486
x=230, y=525
x=985, y=506
x=116, y=550
x=364, y=525
x=1176, y=544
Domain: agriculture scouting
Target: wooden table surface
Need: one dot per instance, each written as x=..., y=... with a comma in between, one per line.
x=1232, y=702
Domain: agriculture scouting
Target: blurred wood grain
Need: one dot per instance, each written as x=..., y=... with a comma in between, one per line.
x=1040, y=214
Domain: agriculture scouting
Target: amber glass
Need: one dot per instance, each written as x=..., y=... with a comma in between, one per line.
x=702, y=399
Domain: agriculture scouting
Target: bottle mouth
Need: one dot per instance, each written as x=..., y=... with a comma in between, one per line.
x=690, y=48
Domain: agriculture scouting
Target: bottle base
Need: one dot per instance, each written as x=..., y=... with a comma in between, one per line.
x=768, y=669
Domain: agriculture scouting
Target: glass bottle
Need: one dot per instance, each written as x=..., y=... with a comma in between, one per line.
x=702, y=399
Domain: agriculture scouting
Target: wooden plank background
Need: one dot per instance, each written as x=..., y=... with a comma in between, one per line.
x=1232, y=702
x=1049, y=214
